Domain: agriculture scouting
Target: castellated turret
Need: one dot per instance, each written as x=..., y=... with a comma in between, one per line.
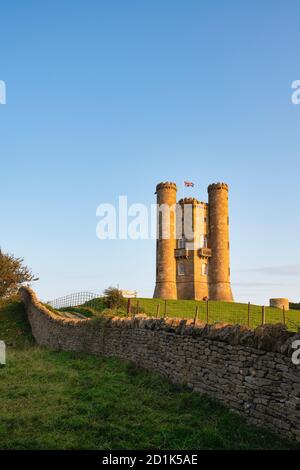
x=192, y=252
x=165, y=287
x=219, y=269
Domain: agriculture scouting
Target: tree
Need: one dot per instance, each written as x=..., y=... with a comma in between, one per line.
x=294, y=306
x=113, y=298
x=13, y=274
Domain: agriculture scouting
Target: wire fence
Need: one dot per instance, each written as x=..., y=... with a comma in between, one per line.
x=202, y=311
x=73, y=300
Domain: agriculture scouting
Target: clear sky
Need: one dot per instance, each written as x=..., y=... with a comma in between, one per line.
x=108, y=98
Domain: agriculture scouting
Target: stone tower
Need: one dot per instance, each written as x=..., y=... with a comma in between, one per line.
x=165, y=287
x=192, y=262
x=191, y=253
x=219, y=269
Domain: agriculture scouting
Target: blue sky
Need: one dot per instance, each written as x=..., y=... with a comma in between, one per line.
x=109, y=98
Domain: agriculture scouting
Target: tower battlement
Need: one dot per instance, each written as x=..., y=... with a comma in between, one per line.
x=194, y=264
x=215, y=186
x=190, y=200
x=166, y=185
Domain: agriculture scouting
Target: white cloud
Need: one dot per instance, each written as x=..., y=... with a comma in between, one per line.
x=288, y=270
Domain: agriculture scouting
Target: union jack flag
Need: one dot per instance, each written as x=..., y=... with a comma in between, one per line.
x=189, y=184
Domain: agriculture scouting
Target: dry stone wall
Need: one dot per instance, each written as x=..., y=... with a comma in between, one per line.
x=249, y=371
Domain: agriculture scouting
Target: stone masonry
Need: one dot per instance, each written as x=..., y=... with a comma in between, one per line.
x=280, y=303
x=193, y=261
x=251, y=372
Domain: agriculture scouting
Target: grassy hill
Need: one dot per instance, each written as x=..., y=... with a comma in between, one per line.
x=59, y=400
x=222, y=312
x=217, y=311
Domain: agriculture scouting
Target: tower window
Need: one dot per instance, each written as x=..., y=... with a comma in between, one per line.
x=180, y=269
x=181, y=243
x=203, y=241
x=204, y=269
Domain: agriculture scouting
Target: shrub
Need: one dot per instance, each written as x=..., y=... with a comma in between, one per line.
x=13, y=274
x=113, y=298
x=294, y=306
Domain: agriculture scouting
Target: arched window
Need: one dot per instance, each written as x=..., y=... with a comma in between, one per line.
x=180, y=268
x=204, y=269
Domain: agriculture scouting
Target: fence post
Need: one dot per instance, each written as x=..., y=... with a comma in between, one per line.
x=207, y=310
x=249, y=306
x=137, y=307
x=263, y=315
x=283, y=312
x=128, y=307
x=157, y=310
x=196, y=314
x=165, y=312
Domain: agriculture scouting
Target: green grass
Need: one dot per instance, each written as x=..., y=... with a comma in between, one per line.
x=220, y=312
x=227, y=312
x=235, y=313
x=96, y=304
x=14, y=327
x=59, y=400
x=85, y=311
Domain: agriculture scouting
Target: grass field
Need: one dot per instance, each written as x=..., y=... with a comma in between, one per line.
x=235, y=313
x=222, y=312
x=59, y=400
